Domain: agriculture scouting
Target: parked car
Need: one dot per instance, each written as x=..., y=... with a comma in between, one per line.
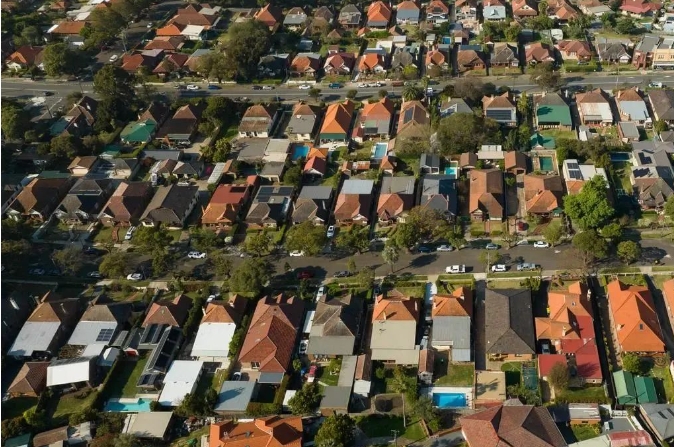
x=445, y=248
x=320, y=293
x=192, y=87
x=541, y=244
x=305, y=274
x=312, y=373
x=655, y=85
x=304, y=344
x=331, y=231
x=491, y=246
x=296, y=253
x=343, y=274
x=455, y=269
x=150, y=25
x=498, y=268
x=114, y=58
x=236, y=377
x=135, y=277
x=94, y=275
x=267, y=87
x=526, y=266
x=335, y=85
x=362, y=85
x=304, y=87
x=256, y=87
x=196, y=255
x=545, y=348
x=213, y=87
x=424, y=249
x=129, y=233
x=37, y=272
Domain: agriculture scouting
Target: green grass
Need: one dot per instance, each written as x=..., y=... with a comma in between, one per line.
x=125, y=377
x=455, y=278
x=186, y=441
x=513, y=372
x=325, y=377
x=590, y=394
x=559, y=133
x=16, y=406
x=585, y=431
x=458, y=375
x=662, y=373
x=231, y=132
x=71, y=404
x=497, y=276
x=504, y=284
x=381, y=427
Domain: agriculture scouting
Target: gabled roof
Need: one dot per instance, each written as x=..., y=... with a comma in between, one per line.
x=69, y=28
x=171, y=312
x=370, y=61
x=524, y=8
x=27, y=55
x=543, y=193
x=305, y=63
x=634, y=316
x=225, y=203
x=225, y=311
x=167, y=43
x=437, y=7
x=337, y=316
x=580, y=48
x=469, y=57
x=538, y=52
x=515, y=160
x=412, y=113
x=315, y=164
x=379, y=12
x=457, y=304
x=597, y=96
x=128, y=201
x=393, y=205
x=269, y=15
x=272, y=431
x=662, y=101
x=639, y=6
x=171, y=29
x=31, y=379
x=39, y=194
x=509, y=325
x=395, y=307
x=503, y=101
x=350, y=206
x=661, y=418
x=170, y=204
x=486, y=191
x=504, y=54
x=382, y=109
x=338, y=118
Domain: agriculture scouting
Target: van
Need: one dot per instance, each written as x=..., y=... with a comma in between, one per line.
x=455, y=269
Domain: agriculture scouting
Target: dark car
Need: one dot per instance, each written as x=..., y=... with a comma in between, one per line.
x=48, y=93
x=257, y=87
x=213, y=87
x=424, y=249
x=305, y=274
x=335, y=85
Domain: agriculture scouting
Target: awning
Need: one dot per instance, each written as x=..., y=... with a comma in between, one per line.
x=273, y=378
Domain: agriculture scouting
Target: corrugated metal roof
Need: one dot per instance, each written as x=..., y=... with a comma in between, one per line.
x=213, y=339
x=235, y=396
x=65, y=371
x=34, y=336
x=454, y=329
x=90, y=332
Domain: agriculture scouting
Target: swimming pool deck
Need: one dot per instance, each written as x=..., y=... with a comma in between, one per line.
x=490, y=386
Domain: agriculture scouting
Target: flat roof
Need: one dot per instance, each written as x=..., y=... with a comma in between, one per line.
x=34, y=336
x=65, y=371
x=181, y=379
x=308, y=321
x=234, y=396
x=152, y=424
x=213, y=339
x=336, y=397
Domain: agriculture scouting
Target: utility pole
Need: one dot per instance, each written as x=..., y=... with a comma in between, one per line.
x=395, y=437
x=404, y=418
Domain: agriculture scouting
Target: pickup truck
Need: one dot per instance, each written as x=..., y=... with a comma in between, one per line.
x=455, y=269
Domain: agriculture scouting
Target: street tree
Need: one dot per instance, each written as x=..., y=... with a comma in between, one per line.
x=559, y=377
x=463, y=132
x=353, y=240
x=383, y=93
x=391, y=253
x=590, y=209
x=336, y=431
x=669, y=207
x=69, y=260
x=247, y=42
x=223, y=264
x=116, y=84
x=250, y=276
x=204, y=240
x=151, y=239
x=351, y=94
x=214, y=65
x=523, y=106
x=553, y=233
x=490, y=257
x=631, y=363
x=412, y=93
x=545, y=76
x=351, y=265
x=365, y=277
x=472, y=89
x=306, y=237
x=305, y=400
x=15, y=121
x=590, y=246
x=314, y=93
x=612, y=231
x=629, y=251
x=58, y=59
x=115, y=265
x=258, y=243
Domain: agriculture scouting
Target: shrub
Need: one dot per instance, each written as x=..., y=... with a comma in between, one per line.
x=259, y=409
x=476, y=233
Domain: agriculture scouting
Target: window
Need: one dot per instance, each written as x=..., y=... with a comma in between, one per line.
x=255, y=365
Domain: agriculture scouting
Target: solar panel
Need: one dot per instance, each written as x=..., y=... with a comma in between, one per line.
x=105, y=335
x=575, y=174
x=573, y=165
x=499, y=115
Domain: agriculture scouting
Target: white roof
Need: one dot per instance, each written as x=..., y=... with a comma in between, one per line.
x=180, y=380
x=91, y=332
x=289, y=395
x=62, y=372
x=93, y=350
x=213, y=340
x=151, y=424
x=34, y=336
x=308, y=321
x=216, y=175
x=192, y=30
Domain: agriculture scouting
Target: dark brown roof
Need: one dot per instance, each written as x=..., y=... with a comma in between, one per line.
x=509, y=322
x=129, y=201
x=41, y=194
x=50, y=437
x=31, y=379
x=172, y=312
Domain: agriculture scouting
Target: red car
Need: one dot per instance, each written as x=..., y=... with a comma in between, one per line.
x=305, y=274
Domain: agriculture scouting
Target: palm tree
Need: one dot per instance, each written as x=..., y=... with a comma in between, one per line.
x=411, y=93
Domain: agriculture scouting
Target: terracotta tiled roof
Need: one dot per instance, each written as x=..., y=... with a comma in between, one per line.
x=543, y=193
x=54, y=312
x=411, y=113
x=338, y=118
x=379, y=12
x=273, y=431
x=349, y=206
x=388, y=163
x=172, y=312
x=171, y=29
x=596, y=96
x=47, y=438
x=570, y=315
x=319, y=152
x=370, y=61
x=225, y=203
x=639, y=6
x=547, y=361
x=225, y=311
x=486, y=191
x=392, y=205
x=26, y=55
x=382, y=109
x=69, y=28
x=270, y=15
x=582, y=49
x=168, y=43
x=39, y=194
x=457, y=304
x=515, y=159
x=395, y=308
x=668, y=293
x=31, y=379
x=408, y=5
x=435, y=57
x=630, y=94
x=634, y=317
x=437, y=5
x=304, y=64
x=315, y=164
x=538, y=52
x=469, y=57
x=260, y=111
x=502, y=101
x=524, y=8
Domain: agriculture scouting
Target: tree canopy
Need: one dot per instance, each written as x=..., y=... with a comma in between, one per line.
x=59, y=59
x=589, y=209
x=247, y=42
x=69, y=260
x=306, y=237
x=629, y=251
x=115, y=264
x=250, y=276
x=15, y=121
x=336, y=431
x=590, y=246
x=306, y=400
x=464, y=132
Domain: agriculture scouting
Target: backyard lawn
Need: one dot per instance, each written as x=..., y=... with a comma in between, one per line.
x=589, y=394
x=193, y=439
x=513, y=372
x=325, y=377
x=662, y=373
x=621, y=175
x=70, y=404
x=585, y=431
x=559, y=133
x=125, y=377
x=381, y=427
x=458, y=375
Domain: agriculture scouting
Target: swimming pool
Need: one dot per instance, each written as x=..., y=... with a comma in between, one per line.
x=546, y=163
x=379, y=150
x=300, y=152
x=128, y=405
x=449, y=400
x=621, y=156
x=451, y=170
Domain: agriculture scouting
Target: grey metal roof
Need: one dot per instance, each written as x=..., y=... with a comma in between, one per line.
x=301, y=124
x=88, y=332
x=661, y=417
x=316, y=193
x=356, y=186
x=629, y=129
x=647, y=43
x=454, y=105
x=163, y=155
x=152, y=424
x=269, y=377
x=250, y=148
x=235, y=396
x=336, y=397
x=451, y=329
x=439, y=192
x=34, y=336
x=636, y=110
x=272, y=168
x=430, y=160
x=398, y=185
x=347, y=373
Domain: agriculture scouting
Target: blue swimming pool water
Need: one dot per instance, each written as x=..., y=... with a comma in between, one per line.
x=546, y=164
x=449, y=400
x=446, y=39
x=379, y=150
x=454, y=172
x=620, y=156
x=140, y=406
x=300, y=152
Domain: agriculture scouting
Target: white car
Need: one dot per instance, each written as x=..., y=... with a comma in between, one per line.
x=455, y=269
x=655, y=85
x=296, y=253
x=304, y=87
x=362, y=85
x=267, y=87
x=150, y=24
x=304, y=344
x=134, y=276
x=320, y=293
x=192, y=87
x=113, y=58
x=498, y=268
x=541, y=244
x=331, y=231
x=94, y=275
x=129, y=233
x=445, y=248
x=196, y=255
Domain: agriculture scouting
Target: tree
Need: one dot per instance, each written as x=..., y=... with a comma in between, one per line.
x=215, y=65
x=382, y=93
x=223, y=265
x=523, y=106
x=608, y=20
x=306, y=400
x=218, y=153
x=351, y=265
x=35, y=418
x=613, y=232
x=219, y=111
x=559, y=376
x=58, y=59
x=293, y=176
x=111, y=82
x=250, y=276
x=258, y=243
x=126, y=440
x=306, y=237
x=553, y=233
x=69, y=260
x=545, y=76
x=626, y=25
x=424, y=409
x=64, y=146
x=114, y=265
x=15, y=120
x=351, y=94
x=354, y=240
x=631, y=363
x=246, y=43
x=512, y=33
x=629, y=251
x=204, y=240
x=13, y=427
x=365, y=277
x=412, y=93
x=152, y=239
x=590, y=208
x=297, y=365
x=314, y=93
x=463, y=132
x=161, y=261
x=669, y=207
x=30, y=35
x=106, y=24
x=391, y=253
x=336, y=431
x=472, y=89
x=590, y=246
x=660, y=126
x=490, y=257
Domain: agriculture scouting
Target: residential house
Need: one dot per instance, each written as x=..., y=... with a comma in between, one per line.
x=154, y=425
x=413, y=123
x=296, y=18
x=613, y=53
x=258, y=121
x=84, y=201
x=172, y=63
x=126, y=205
x=429, y=163
x=46, y=330
x=515, y=162
x=182, y=126
x=574, y=50
x=25, y=56
x=270, y=341
x=394, y=329
x=652, y=176
x=632, y=107
x=662, y=104
x=143, y=130
x=668, y=295
x=170, y=30
x=437, y=61
x=543, y=195
x=274, y=65
x=438, y=192
x=486, y=194
x=30, y=381
x=170, y=206
x=493, y=10
x=513, y=424
x=305, y=65
x=628, y=132
x=576, y=174
x=468, y=161
x=99, y=326
x=408, y=12
x=569, y=329
x=371, y=63
x=466, y=13
x=82, y=166
x=374, y=120
x=509, y=324
x=324, y=14
x=169, y=168
x=67, y=28
x=193, y=64
x=339, y=64
x=271, y=430
x=470, y=57
x=354, y=202
x=336, y=326
x=78, y=121
x=379, y=15
x=78, y=434
x=406, y=58
x=658, y=418
x=634, y=321
x=169, y=312
x=270, y=207
x=594, y=108
x=642, y=56
x=149, y=59
x=225, y=207
x=593, y=8
x=396, y=198
x=315, y=166
x=39, y=198
x=639, y=8
x=501, y=109
x=337, y=122
x=198, y=14
x=16, y=308
x=270, y=15
x=313, y=204
x=524, y=8
x=350, y=17
x=561, y=11
x=537, y=53
x=551, y=112
x=504, y=55
x=168, y=44
x=217, y=328
x=437, y=12
x=454, y=105
x=452, y=320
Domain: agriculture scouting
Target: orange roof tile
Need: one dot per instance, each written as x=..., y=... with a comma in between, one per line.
x=457, y=304
x=338, y=118
x=272, y=431
x=397, y=308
